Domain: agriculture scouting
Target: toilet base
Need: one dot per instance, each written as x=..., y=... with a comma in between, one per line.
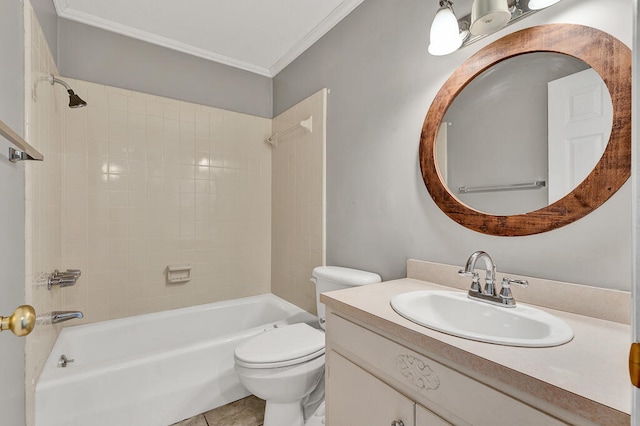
x=283, y=413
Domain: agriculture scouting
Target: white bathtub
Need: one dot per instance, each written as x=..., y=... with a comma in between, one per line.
x=154, y=369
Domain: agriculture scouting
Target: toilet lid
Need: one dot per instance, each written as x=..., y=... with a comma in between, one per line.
x=282, y=346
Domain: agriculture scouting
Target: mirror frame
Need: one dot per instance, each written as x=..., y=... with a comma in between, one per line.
x=610, y=58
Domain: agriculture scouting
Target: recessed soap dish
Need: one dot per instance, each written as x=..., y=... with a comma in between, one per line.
x=178, y=273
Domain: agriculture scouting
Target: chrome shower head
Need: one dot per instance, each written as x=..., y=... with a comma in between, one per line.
x=74, y=100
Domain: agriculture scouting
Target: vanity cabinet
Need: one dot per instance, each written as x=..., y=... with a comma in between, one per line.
x=359, y=398
x=373, y=380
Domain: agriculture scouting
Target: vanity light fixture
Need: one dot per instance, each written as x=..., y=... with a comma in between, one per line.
x=445, y=33
x=486, y=17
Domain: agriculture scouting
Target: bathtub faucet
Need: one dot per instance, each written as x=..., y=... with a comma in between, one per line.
x=62, y=316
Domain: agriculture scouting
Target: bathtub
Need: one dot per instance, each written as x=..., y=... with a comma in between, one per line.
x=154, y=369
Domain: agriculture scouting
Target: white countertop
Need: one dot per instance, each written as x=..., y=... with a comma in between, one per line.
x=587, y=376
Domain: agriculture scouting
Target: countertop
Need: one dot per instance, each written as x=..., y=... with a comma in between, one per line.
x=587, y=376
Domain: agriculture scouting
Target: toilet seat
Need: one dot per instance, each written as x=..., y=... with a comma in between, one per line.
x=281, y=347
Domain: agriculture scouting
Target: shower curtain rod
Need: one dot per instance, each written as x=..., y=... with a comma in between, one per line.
x=27, y=152
x=307, y=125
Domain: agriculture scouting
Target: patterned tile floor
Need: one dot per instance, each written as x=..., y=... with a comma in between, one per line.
x=245, y=412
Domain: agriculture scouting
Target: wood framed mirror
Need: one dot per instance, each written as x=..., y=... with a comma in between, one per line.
x=605, y=54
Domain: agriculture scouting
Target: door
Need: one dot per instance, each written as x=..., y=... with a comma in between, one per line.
x=356, y=398
x=579, y=124
x=425, y=417
x=12, y=264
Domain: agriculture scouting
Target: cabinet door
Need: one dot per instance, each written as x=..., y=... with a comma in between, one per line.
x=425, y=417
x=356, y=398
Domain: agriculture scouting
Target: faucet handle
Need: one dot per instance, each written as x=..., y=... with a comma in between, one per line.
x=73, y=272
x=505, y=292
x=475, y=277
x=508, y=281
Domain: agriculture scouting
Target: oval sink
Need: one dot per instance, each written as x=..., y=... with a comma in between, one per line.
x=454, y=313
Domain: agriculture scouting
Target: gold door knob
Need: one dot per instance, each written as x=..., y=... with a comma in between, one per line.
x=21, y=322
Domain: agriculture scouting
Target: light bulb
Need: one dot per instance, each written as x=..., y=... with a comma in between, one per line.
x=445, y=34
x=541, y=4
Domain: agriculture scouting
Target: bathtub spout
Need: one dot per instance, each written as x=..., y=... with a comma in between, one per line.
x=62, y=316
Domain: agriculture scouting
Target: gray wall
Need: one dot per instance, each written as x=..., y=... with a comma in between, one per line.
x=382, y=81
x=104, y=57
x=100, y=56
x=46, y=13
x=12, y=408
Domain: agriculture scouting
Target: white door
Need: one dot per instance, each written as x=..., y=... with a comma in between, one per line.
x=425, y=417
x=579, y=125
x=12, y=265
x=441, y=152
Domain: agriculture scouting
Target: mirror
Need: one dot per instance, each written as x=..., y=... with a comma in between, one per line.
x=572, y=48
x=517, y=109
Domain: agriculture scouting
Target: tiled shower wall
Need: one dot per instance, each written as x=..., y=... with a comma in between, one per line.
x=151, y=182
x=298, y=188
x=130, y=184
x=43, y=196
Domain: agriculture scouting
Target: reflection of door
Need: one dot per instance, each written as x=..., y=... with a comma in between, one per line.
x=580, y=114
x=441, y=152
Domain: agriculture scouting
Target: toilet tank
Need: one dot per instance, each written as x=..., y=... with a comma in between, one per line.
x=329, y=278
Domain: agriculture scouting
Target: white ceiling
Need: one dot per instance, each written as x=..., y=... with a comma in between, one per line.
x=261, y=36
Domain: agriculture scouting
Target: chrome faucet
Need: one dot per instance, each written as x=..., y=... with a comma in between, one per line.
x=62, y=316
x=489, y=294
x=490, y=278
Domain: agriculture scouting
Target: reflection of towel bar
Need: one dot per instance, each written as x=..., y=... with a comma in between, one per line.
x=510, y=187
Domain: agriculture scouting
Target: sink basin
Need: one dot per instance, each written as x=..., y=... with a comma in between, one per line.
x=454, y=313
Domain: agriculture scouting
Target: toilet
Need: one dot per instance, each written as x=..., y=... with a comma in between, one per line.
x=285, y=366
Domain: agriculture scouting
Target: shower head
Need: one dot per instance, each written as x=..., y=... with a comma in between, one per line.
x=74, y=100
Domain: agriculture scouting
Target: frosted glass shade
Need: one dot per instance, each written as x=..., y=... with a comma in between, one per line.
x=488, y=16
x=541, y=4
x=445, y=33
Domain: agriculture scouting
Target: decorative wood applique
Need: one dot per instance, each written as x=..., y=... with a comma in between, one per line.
x=417, y=372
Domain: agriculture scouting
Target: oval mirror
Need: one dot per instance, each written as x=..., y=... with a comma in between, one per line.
x=497, y=160
x=543, y=120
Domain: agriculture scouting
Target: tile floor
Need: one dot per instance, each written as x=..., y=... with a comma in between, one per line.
x=245, y=412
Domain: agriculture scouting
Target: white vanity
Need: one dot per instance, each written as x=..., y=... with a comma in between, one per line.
x=383, y=369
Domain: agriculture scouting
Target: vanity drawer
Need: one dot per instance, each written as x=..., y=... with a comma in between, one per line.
x=453, y=396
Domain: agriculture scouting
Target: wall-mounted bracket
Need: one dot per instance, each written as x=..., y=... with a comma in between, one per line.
x=15, y=156
x=306, y=125
x=27, y=152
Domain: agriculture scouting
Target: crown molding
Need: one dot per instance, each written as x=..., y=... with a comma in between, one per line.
x=64, y=11
x=337, y=15
x=84, y=18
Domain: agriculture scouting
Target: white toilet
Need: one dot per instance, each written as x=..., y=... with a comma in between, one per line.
x=285, y=365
